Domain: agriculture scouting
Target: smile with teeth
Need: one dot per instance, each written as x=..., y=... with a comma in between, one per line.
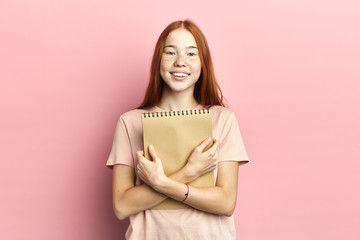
x=176, y=74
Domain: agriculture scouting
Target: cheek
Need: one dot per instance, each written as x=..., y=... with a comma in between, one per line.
x=163, y=68
x=196, y=65
x=165, y=64
x=166, y=61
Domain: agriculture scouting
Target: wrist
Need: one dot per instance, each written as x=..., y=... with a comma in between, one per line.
x=190, y=172
x=161, y=183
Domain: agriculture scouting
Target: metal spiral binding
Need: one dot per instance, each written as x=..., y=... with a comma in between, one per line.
x=176, y=113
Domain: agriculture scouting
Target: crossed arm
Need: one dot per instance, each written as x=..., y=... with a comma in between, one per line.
x=129, y=199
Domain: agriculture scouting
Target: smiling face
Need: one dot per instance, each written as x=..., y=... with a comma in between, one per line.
x=180, y=65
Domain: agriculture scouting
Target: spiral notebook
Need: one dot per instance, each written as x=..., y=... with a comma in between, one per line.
x=174, y=136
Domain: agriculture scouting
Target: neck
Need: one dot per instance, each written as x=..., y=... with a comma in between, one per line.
x=177, y=101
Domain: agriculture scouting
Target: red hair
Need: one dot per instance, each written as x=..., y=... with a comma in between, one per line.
x=206, y=92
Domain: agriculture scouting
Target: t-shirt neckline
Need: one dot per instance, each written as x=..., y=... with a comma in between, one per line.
x=157, y=108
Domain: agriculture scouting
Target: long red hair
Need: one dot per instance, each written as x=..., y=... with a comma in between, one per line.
x=206, y=92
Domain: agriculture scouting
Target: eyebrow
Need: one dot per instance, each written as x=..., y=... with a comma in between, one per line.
x=175, y=47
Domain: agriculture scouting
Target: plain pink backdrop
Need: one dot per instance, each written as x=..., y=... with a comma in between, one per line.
x=289, y=70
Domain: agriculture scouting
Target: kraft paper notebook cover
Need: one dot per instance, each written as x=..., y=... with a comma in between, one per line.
x=174, y=136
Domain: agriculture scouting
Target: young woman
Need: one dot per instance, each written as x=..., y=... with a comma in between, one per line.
x=182, y=78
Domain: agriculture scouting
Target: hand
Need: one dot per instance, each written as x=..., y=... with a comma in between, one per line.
x=201, y=162
x=150, y=172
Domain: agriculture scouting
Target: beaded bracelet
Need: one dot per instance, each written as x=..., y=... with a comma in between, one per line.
x=186, y=194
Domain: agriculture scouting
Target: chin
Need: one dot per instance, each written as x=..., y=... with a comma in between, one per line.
x=177, y=89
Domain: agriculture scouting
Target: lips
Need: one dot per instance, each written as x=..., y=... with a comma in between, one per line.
x=180, y=74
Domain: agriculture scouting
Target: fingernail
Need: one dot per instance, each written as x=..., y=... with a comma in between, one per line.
x=150, y=147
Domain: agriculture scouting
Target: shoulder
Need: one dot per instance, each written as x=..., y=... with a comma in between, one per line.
x=223, y=117
x=221, y=112
x=134, y=114
x=129, y=115
x=132, y=118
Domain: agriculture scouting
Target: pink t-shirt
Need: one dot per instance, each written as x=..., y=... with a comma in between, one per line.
x=180, y=223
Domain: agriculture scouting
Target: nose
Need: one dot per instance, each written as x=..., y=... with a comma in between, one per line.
x=180, y=61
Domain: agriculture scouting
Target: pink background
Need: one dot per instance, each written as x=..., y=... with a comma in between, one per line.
x=289, y=69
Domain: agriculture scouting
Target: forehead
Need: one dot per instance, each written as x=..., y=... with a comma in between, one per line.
x=180, y=37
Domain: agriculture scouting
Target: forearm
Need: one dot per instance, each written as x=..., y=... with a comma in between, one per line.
x=185, y=175
x=220, y=199
x=138, y=198
x=214, y=200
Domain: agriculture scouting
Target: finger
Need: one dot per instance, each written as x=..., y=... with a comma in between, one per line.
x=214, y=147
x=153, y=153
x=140, y=153
x=138, y=169
x=141, y=176
x=216, y=144
x=210, y=168
x=140, y=158
x=204, y=144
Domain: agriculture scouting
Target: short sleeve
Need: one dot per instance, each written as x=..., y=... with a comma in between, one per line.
x=231, y=146
x=121, y=149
